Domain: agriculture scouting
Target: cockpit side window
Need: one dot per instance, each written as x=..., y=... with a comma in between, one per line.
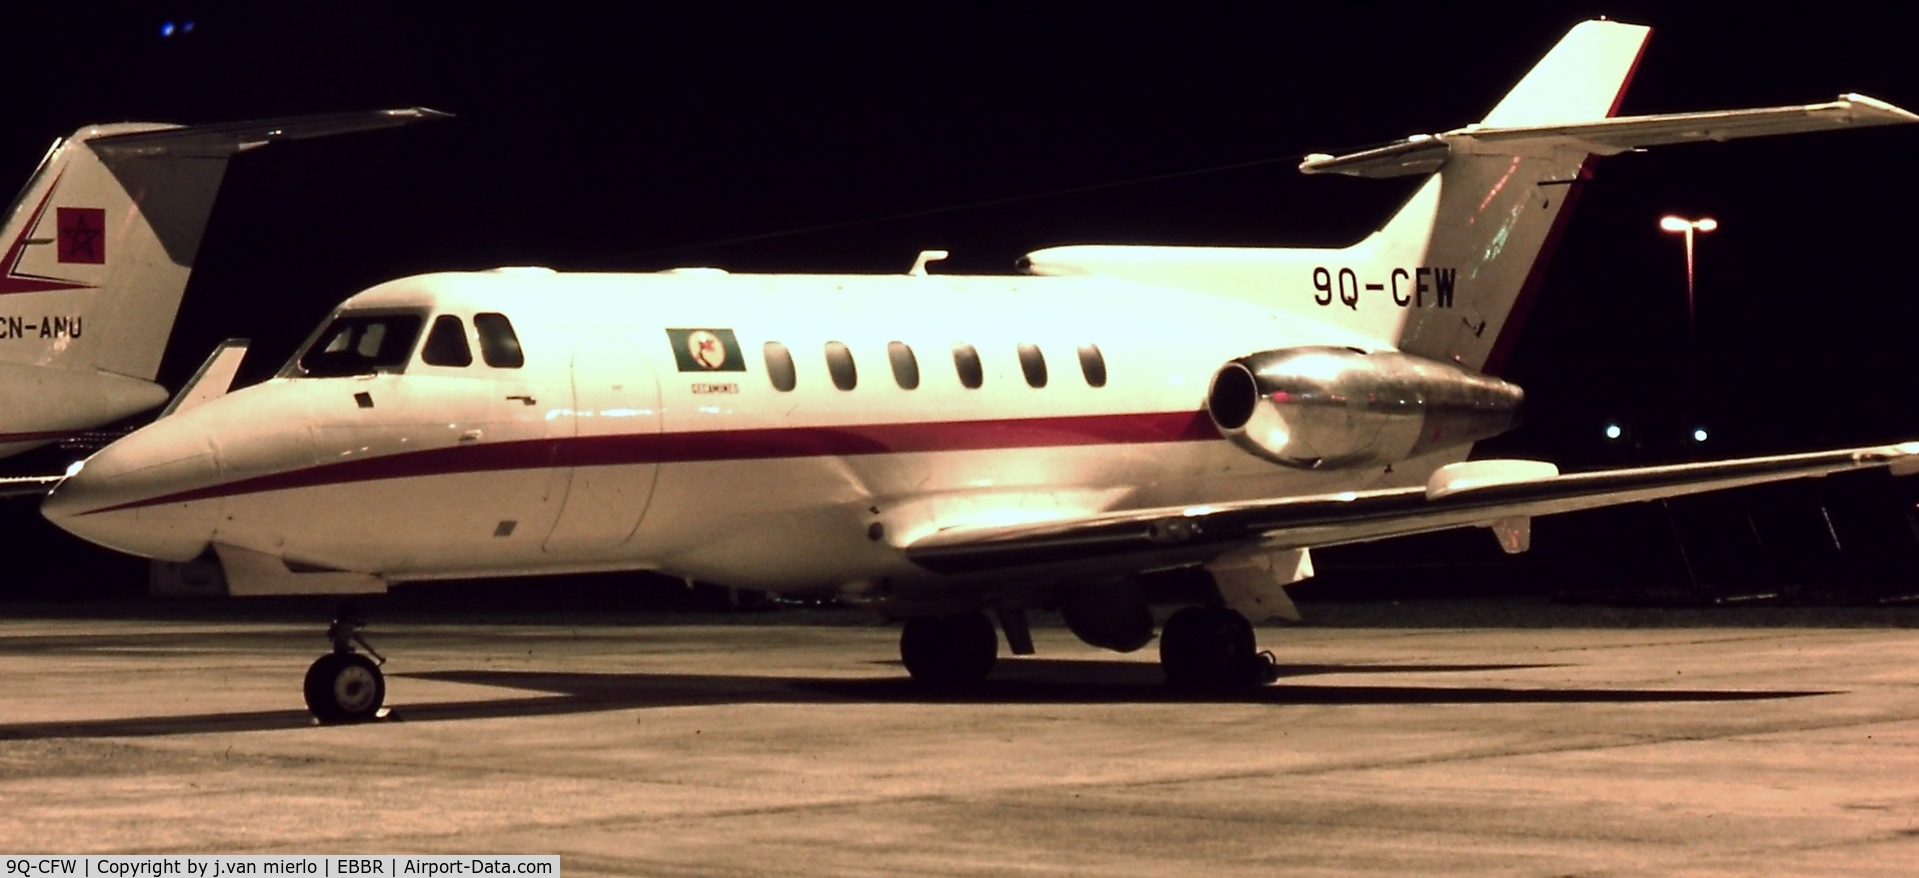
x=361, y=344
x=499, y=346
x=446, y=344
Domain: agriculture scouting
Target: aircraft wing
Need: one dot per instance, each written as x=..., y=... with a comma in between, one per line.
x=27, y=486
x=1484, y=493
x=214, y=378
x=1424, y=153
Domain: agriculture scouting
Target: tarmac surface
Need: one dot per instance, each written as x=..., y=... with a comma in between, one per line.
x=1532, y=740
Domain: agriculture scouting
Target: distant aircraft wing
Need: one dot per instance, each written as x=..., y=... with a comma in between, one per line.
x=27, y=486
x=214, y=378
x=1424, y=153
x=1482, y=493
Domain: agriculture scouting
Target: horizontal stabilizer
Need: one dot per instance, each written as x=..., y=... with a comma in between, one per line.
x=224, y=139
x=1425, y=153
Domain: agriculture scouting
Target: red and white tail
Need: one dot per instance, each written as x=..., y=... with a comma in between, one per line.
x=100, y=243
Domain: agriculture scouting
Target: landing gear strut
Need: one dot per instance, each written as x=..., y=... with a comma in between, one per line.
x=344, y=686
x=948, y=650
x=1212, y=647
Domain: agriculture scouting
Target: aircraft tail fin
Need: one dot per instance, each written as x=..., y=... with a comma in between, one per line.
x=1483, y=225
x=1441, y=276
x=1503, y=187
x=1452, y=274
x=1583, y=77
x=101, y=241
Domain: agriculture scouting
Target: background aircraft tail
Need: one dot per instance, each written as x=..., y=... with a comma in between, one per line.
x=1452, y=274
x=100, y=242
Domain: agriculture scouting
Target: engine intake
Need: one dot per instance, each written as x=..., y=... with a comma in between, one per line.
x=1336, y=408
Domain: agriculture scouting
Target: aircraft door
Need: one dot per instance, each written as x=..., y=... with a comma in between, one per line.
x=616, y=417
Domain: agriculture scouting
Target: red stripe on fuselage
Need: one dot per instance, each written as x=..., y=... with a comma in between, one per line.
x=717, y=445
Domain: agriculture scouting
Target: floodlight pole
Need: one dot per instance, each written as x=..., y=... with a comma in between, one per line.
x=1687, y=227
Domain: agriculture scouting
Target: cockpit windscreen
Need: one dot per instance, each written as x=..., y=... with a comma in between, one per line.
x=361, y=344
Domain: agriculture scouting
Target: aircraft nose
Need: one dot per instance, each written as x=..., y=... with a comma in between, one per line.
x=138, y=495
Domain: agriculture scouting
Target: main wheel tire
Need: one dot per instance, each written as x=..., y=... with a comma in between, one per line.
x=1210, y=646
x=949, y=650
x=345, y=687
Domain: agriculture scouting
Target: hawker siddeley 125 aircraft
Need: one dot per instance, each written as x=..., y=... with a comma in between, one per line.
x=99, y=245
x=939, y=448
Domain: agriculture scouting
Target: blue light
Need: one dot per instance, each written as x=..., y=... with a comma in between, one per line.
x=1699, y=435
x=166, y=30
x=1613, y=431
x=186, y=28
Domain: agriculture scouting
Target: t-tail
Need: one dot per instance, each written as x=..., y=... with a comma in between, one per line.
x=1452, y=274
x=99, y=246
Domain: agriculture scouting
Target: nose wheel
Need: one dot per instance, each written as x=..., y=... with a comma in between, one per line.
x=345, y=686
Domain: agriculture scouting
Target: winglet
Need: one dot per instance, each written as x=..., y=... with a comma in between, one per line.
x=213, y=380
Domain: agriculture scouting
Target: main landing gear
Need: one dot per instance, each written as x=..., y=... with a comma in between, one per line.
x=1204, y=647
x=1199, y=648
x=344, y=686
x=950, y=650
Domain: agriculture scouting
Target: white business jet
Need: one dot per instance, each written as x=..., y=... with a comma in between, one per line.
x=942, y=449
x=99, y=245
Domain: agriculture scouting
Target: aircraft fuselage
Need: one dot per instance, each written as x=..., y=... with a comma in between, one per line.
x=615, y=446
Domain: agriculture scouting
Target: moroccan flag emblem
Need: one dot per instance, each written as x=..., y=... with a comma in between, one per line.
x=83, y=234
x=706, y=350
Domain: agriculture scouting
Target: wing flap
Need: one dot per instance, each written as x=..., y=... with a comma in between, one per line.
x=1301, y=522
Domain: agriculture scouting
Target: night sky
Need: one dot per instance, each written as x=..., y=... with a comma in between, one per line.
x=846, y=137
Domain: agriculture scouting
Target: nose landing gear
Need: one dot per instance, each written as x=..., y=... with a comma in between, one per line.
x=344, y=686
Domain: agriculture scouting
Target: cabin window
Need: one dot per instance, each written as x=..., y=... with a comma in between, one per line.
x=446, y=343
x=839, y=362
x=1092, y=365
x=499, y=346
x=779, y=367
x=1033, y=363
x=361, y=344
x=906, y=367
x=966, y=361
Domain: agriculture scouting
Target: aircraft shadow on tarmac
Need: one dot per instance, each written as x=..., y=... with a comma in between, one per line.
x=1016, y=681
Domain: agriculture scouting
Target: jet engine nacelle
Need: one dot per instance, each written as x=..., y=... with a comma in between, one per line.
x=1335, y=408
